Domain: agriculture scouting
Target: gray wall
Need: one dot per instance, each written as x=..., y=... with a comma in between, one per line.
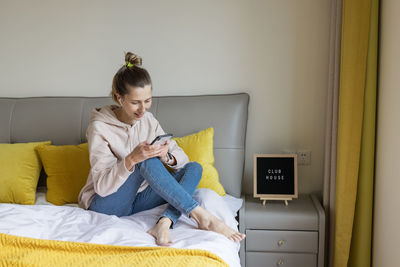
x=277, y=51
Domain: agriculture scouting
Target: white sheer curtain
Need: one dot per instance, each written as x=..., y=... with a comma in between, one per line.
x=331, y=127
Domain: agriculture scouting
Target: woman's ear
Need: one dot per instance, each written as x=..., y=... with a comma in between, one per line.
x=119, y=99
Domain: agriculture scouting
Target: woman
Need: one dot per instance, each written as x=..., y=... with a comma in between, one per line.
x=127, y=174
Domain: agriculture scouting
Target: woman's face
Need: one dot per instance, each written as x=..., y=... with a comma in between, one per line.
x=137, y=102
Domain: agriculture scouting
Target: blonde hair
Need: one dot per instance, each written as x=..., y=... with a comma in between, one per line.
x=132, y=74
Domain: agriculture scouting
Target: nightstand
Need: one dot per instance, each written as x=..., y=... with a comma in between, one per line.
x=282, y=236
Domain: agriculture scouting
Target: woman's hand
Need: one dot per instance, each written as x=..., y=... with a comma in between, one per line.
x=164, y=151
x=165, y=158
x=145, y=151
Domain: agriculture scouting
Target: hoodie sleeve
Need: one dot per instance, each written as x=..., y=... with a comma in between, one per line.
x=173, y=148
x=107, y=171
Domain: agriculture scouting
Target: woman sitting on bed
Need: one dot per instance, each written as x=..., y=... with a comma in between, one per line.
x=127, y=174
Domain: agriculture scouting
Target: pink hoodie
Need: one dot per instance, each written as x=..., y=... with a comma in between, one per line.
x=110, y=141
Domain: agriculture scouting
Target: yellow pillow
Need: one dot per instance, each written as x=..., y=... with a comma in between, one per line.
x=199, y=148
x=67, y=168
x=19, y=172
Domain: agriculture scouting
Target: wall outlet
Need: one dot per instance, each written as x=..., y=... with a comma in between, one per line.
x=303, y=156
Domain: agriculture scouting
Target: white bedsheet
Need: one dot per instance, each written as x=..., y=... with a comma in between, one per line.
x=70, y=223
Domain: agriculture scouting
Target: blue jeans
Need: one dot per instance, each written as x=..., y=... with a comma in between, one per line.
x=176, y=188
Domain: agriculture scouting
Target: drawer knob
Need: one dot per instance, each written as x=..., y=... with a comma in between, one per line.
x=281, y=242
x=279, y=263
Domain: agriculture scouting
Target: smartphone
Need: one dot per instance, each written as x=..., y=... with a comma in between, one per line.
x=161, y=139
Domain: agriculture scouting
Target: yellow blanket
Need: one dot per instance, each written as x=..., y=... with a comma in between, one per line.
x=23, y=251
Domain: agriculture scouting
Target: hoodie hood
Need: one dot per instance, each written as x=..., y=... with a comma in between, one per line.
x=106, y=114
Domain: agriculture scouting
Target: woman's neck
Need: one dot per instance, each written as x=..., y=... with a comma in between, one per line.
x=121, y=116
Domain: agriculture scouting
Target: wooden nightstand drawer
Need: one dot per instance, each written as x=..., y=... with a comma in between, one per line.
x=279, y=235
x=282, y=241
x=258, y=259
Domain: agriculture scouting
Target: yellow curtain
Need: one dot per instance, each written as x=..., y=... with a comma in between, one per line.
x=356, y=133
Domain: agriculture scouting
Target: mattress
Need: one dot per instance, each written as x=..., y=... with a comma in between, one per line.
x=71, y=223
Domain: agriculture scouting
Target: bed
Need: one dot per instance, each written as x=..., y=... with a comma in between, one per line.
x=64, y=120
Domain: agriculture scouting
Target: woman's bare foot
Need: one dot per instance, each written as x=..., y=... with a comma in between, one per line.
x=208, y=221
x=160, y=231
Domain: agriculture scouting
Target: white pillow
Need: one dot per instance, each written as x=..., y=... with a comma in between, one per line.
x=234, y=203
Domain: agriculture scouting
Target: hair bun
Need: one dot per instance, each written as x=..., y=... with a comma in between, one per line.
x=133, y=58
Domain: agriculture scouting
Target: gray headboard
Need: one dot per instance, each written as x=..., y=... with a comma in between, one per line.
x=64, y=120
